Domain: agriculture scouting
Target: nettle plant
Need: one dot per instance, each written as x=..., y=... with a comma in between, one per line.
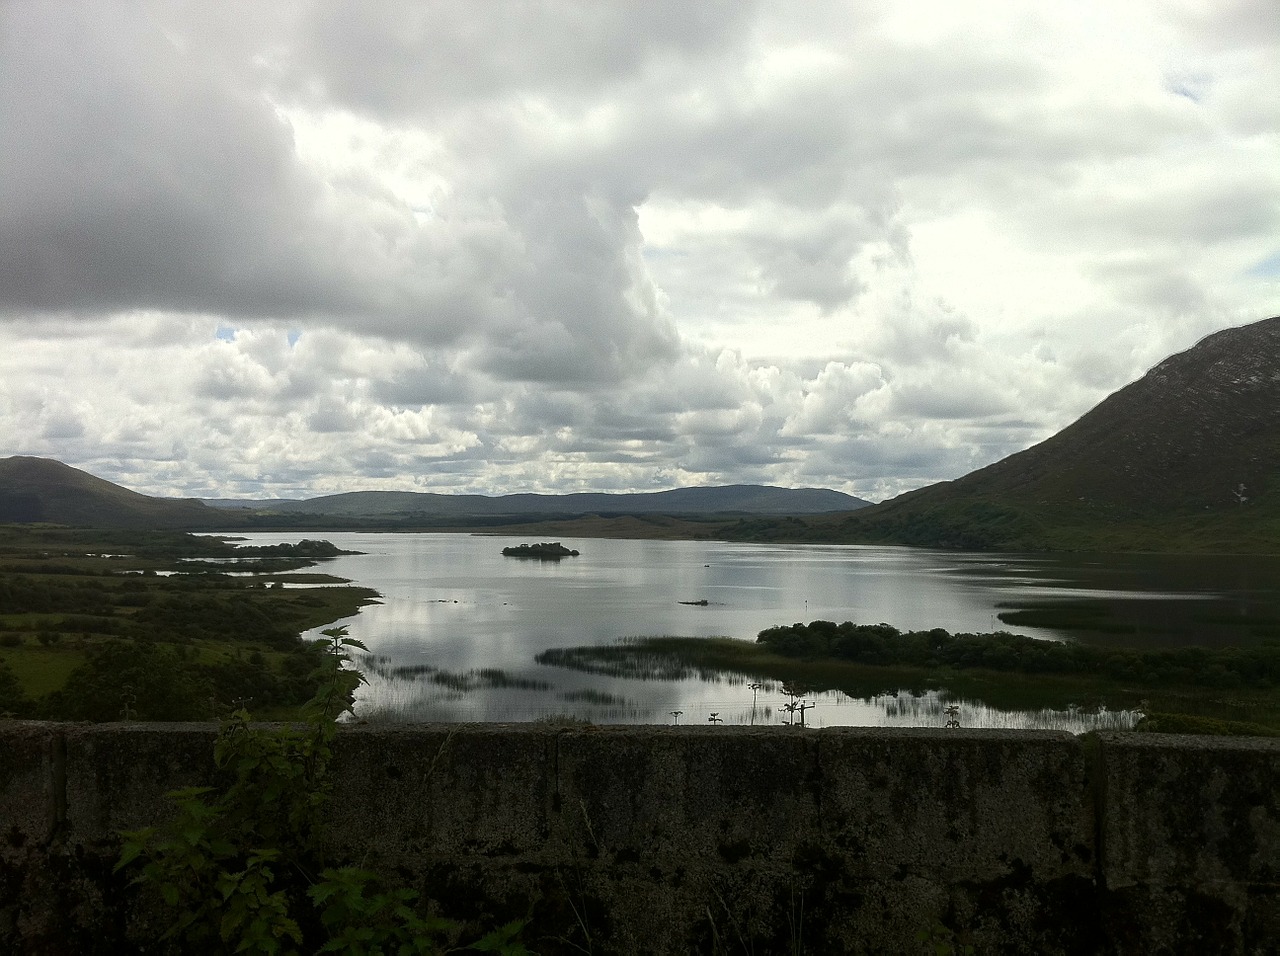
x=242, y=864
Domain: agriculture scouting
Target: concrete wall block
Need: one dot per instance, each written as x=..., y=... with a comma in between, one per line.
x=30, y=787
x=644, y=839
x=444, y=790
x=30, y=817
x=1192, y=812
x=118, y=775
x=956, y=804
x=710, y=795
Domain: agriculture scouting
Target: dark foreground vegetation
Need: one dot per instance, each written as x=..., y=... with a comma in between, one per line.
x=109, y=625
x=245, y=866
x=1184, y=690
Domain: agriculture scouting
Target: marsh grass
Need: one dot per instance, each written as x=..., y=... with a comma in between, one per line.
x=1039, y=700
x=1065, y=615
x=459, y=682
x=638, y=658
x=594, y=697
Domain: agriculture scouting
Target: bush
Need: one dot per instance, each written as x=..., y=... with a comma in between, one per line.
x=243, y=866
x=12, y=701
x=127, y=680
x=883, y=644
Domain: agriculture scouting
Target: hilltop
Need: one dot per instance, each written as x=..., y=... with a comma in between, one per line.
x=43, y=490
x=727, y=499
x=1185, y=458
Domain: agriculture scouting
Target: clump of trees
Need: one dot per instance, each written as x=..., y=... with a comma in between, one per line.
x=13, y=702
x=884, y=644
x=133, y=680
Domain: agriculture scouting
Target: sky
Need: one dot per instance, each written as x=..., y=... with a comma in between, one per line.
x=296, y=248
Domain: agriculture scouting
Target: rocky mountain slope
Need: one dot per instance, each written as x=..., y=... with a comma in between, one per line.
x=1198, y=431
x=1185, y=458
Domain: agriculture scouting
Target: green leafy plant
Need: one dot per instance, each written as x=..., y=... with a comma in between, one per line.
x=241, y=865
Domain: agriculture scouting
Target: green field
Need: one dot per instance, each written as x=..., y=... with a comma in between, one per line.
x=99, y=625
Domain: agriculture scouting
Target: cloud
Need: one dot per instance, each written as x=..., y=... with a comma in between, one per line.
x=143, y=177
x=416, y=60
x=310, y=247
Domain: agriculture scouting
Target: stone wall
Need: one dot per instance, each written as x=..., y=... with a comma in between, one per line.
x=675, y=840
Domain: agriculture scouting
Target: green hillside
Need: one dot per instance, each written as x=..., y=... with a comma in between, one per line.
x=1185, y=459
x=40, y=490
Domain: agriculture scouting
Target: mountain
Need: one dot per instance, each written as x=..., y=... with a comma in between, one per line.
x=730, y=499
x=1185, y=458
x=44, y=490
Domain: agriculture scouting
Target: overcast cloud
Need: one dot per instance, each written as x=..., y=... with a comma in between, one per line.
x=296, y=248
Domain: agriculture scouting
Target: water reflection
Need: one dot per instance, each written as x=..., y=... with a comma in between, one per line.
x=456, y=613
x=397, y=699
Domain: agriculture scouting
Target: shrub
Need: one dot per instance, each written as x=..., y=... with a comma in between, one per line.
x=243, y=866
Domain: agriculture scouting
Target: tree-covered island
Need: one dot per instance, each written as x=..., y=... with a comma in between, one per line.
x=543, y=551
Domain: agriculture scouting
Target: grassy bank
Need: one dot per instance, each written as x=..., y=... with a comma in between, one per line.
x=1182, y=703
x=101, y=625
x=996, y=523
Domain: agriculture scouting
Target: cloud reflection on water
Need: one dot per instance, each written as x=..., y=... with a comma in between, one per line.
x=727, y=696
x=453, y=604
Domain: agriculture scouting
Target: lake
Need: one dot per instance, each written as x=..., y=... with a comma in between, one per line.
x=456, y=634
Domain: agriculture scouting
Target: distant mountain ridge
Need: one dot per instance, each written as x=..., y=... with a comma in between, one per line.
x=726, y=499
x=1185, y=458
x=44, y=490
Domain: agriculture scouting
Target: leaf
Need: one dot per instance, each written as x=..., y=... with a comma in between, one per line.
x=321, y=892
x=500, y=940
x=128, y=853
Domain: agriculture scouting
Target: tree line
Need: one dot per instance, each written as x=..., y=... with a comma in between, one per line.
x=884, y=644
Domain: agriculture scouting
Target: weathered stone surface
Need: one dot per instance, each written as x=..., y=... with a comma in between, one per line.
x=1191, y=810
x=118, y=774
x=1191, y=841
x=682, y=833
x=30, y=816
x=663, y=839
x=31, y=763
x=723, y=794
x=482, y=789
x=992, y=830
x=975, y=805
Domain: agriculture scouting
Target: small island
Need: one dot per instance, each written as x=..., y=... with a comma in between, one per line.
x=544, y=551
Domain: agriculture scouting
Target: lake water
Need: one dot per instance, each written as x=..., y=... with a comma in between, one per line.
x=456, y=634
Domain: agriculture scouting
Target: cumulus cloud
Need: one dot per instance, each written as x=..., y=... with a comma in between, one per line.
x=137, y=176
x=311, y=247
